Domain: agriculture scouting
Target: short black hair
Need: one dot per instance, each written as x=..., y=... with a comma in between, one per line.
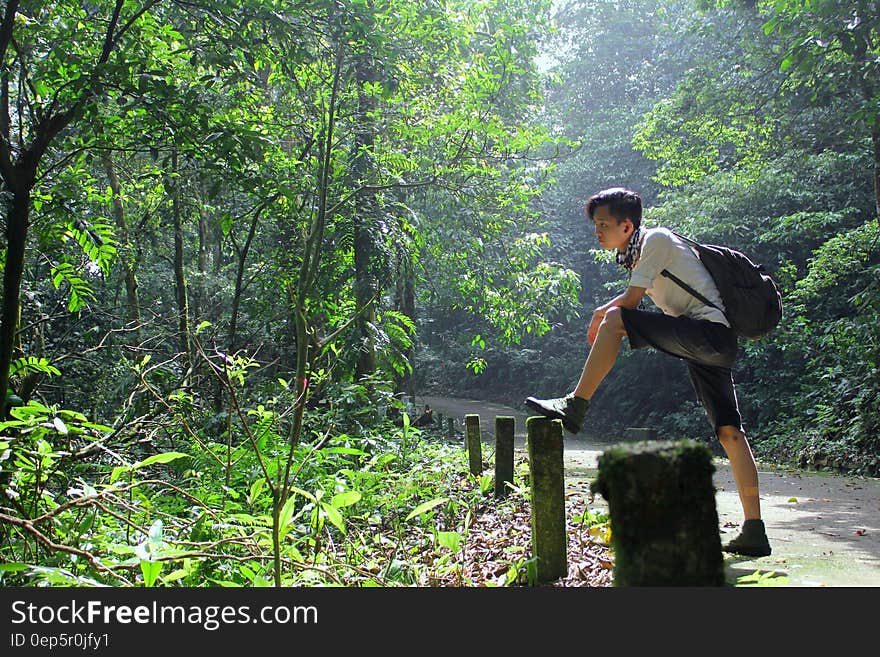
x=622, y=204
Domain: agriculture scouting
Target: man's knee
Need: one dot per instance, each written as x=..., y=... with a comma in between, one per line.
x=613, y=322
x=729, y=434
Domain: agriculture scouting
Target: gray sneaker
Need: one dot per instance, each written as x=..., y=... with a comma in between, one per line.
x=570, y=409
x=751, y=541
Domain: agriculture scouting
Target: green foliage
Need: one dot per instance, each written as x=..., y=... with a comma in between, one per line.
x=32, y=365
x=241, y=202
x=691, y=147
x=759, y=578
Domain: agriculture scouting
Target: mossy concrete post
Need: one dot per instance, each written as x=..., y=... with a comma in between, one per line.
x=664, y=523
x=474, y=448
x=547, y=474
x=504, y=430
x=640, y=434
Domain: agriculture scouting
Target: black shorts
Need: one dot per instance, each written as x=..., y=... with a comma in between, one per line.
x=708, y=348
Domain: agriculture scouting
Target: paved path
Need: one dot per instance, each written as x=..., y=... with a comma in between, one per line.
x=824, y=529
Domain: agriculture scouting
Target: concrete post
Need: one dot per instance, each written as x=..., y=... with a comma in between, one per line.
x=475, y=452
x=504, y=431
x=664, y=524
x=547, y=474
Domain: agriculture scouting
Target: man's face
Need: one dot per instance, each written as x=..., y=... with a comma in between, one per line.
x=610, y=233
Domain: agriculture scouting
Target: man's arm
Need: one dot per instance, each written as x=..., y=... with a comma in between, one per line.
x=630, y=298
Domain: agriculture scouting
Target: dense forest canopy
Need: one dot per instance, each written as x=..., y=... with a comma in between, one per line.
x=240, y=235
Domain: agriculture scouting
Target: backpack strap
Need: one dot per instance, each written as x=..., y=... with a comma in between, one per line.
x=687, y=288
x=680, y=282
x=685, y=239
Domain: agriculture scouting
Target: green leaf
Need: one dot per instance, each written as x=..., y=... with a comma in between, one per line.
x=759, y=578
x=33, y=364
x=334, y=516
x=451, y=540
x=344, y=450
x=305, y=494
x=286, y=515
x=118, y=471
x=97, y=427
x=425, y=507
x=256, y=488
x=13, y=567
x=226, y=224
x=173, y=576
x=165, y=457
x=151, y=570
x=346, y=498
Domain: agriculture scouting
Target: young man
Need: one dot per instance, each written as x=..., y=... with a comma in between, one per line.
x=687, y=328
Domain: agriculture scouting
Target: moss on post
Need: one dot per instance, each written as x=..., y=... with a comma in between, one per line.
x=664, y=523
x=504, y=430
x=547, y=474
x=474, y=448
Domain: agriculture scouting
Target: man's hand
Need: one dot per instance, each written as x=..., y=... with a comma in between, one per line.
x=593, y=331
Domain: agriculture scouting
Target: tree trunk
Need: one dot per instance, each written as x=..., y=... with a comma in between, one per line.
x=201, y=293
x=406, y=304
x=365, y=221
x=16, y=238
x=242, y=255
x=875, y=138
x=127, y=253
x=365, y=288
x=179, y=276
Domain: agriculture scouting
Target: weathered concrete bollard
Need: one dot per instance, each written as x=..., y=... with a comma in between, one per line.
x=475, y=452
x=664, y=523
x=639, y=434
x=504, y=430
x=547, y=474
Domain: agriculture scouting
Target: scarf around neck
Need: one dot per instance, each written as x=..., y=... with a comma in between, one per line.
x=627, y=258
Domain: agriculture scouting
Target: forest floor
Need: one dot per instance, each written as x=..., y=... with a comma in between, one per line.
x=824, y=529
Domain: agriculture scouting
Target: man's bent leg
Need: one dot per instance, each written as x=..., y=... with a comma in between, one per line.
x=572, y=408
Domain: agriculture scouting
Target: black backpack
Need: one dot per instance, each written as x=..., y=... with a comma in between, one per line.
x=751, y=298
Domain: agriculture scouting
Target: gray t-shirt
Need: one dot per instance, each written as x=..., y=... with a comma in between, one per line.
x=663, y=250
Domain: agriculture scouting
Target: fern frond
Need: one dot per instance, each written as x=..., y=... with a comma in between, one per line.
x=29, y=364
x=79, y=290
